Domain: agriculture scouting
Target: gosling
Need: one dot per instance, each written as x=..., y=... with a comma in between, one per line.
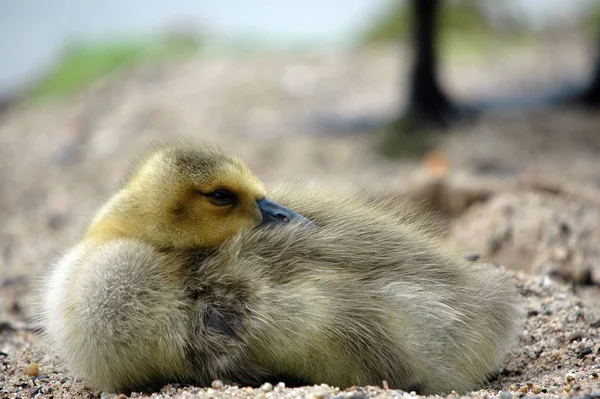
x=190, y=274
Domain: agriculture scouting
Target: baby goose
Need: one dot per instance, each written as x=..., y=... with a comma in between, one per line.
x=172, y=282
x=113, y=306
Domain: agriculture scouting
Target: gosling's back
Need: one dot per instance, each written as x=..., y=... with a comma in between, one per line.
x=362, y=296
x=366, y=296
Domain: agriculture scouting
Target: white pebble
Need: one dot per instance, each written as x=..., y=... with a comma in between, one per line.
x=320, y=393
x=267, y=387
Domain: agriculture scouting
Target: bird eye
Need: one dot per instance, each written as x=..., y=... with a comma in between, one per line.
x=221, y=197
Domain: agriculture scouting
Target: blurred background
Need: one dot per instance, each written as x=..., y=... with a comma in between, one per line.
x=309, y=92
x=484, y=112
x=88, y=39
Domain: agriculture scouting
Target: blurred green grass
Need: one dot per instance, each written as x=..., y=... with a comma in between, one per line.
x=592, y=20
x=84, y=64
x=465, y=34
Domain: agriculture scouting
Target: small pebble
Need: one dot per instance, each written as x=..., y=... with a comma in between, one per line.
x=570, y=377
x=575, y=336
x=320, y=393
x=586, y=351
x=217, y=384
x=505, y=395
x=267, y=387
x=524, y=389
x=122, y=396
x=555, y=353
x=560, y=253
x=536, y=389
x=32, y=369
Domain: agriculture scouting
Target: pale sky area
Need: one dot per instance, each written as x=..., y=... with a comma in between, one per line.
x=32, y=32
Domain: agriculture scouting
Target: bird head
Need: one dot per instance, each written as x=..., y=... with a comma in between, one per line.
x=183, y=196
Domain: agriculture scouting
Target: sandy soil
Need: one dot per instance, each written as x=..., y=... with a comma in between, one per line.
x=520, y=188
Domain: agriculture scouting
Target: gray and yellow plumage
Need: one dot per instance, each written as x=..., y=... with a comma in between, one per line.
x=171, y=285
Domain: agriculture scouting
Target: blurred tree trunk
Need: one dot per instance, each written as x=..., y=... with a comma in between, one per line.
x=591, y=94
x=427, y=101
x=428, y=104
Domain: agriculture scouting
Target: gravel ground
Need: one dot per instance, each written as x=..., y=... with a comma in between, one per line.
x=536, y=231
x=559, y=354
x=60, y=160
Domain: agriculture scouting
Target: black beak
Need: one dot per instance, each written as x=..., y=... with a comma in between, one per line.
x=274, y=214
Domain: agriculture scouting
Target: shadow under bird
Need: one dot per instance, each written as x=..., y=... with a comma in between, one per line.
x=191, y=273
